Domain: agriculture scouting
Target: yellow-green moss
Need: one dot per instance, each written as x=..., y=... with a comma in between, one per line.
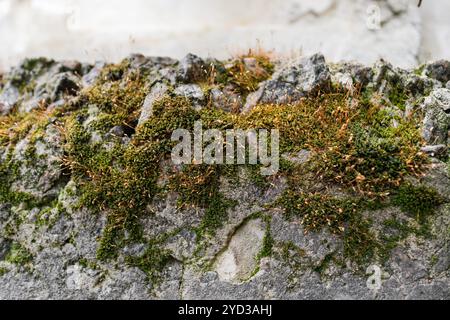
x=19, y=255
x=152, y=262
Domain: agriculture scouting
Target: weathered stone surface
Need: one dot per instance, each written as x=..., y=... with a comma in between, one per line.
x=436, y=122
x=439, y=70
x=50, y=242
x=225, y=99
x=293, y=82
x=191, y=69
x=239, y=259
x=8, y=98
x=156, y=92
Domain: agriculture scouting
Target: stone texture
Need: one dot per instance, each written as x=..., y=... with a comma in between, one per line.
x=157, y=92
x=63, y=241
x=308, y=75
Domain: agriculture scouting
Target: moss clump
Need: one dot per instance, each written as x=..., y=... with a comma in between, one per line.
x=398, y=96
x=122, y=179
x=268, y=242
x=3, y=271
x=9, y=172
x=19, y=255
x=117, y=94
x=85, y=263
x=16, y=126
x=318, y=210
x=242, y=74
x=198, y=185
x=418, y=201
x=342, y=216
x=247, y=71
x=324, y=264
x=152, y=262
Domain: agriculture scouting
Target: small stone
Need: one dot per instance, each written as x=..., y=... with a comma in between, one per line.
x=190, y=91
x=238, y=261
x=117, y=131
x=436, y=122
x=8, y=98
x=225, y=99
x=293, y=82
x=5, y=245
x=157, y=92
x=435, y=151
x=89, y=78
x=439, y=70
x=299, y=158
x=191, y=69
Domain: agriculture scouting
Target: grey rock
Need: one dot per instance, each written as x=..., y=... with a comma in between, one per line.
x=52, y=86
x=158, y=91
x=435, y=151
x=190, y=91
x=89, y=78
x=5, y=245
x=9, y=96
x=439, y=70
x=117, y=131
x=436, y=122
x=225, y=99
x=193, y=92
x=191, y=69
x=292, y=82
x=63, y=238
x=359, y=74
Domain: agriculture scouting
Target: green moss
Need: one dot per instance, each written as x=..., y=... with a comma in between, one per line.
x=198, y=185
x=268, y=242
x=324, y=264
x=317, y=210
x=19, y=255
x=419, y=71
x=360, y=243
x=85, y=263
x=3, y=271
x=152, y=262
x=242, y=77
x=418, y=201
x=9, y=172
x=398, y=96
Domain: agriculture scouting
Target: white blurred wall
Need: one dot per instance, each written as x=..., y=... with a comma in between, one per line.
x=90, y=30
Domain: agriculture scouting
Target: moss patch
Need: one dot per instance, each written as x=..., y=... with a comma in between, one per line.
x=418, y=201
x=19, y=255
x=152, y=262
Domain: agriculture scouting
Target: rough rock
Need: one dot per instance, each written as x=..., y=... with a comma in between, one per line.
x=157, y=92
x=237, y=241
x=439, y=70
x=239, y=259
x=191, y=68
x=436, y=122
x=225, y=99
x=8, y=98
x=192, y=92
x=293, y=82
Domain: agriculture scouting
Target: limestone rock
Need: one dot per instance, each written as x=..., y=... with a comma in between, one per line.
x=308, y=75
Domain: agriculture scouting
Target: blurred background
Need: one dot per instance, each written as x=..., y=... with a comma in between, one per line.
x=90, y=30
